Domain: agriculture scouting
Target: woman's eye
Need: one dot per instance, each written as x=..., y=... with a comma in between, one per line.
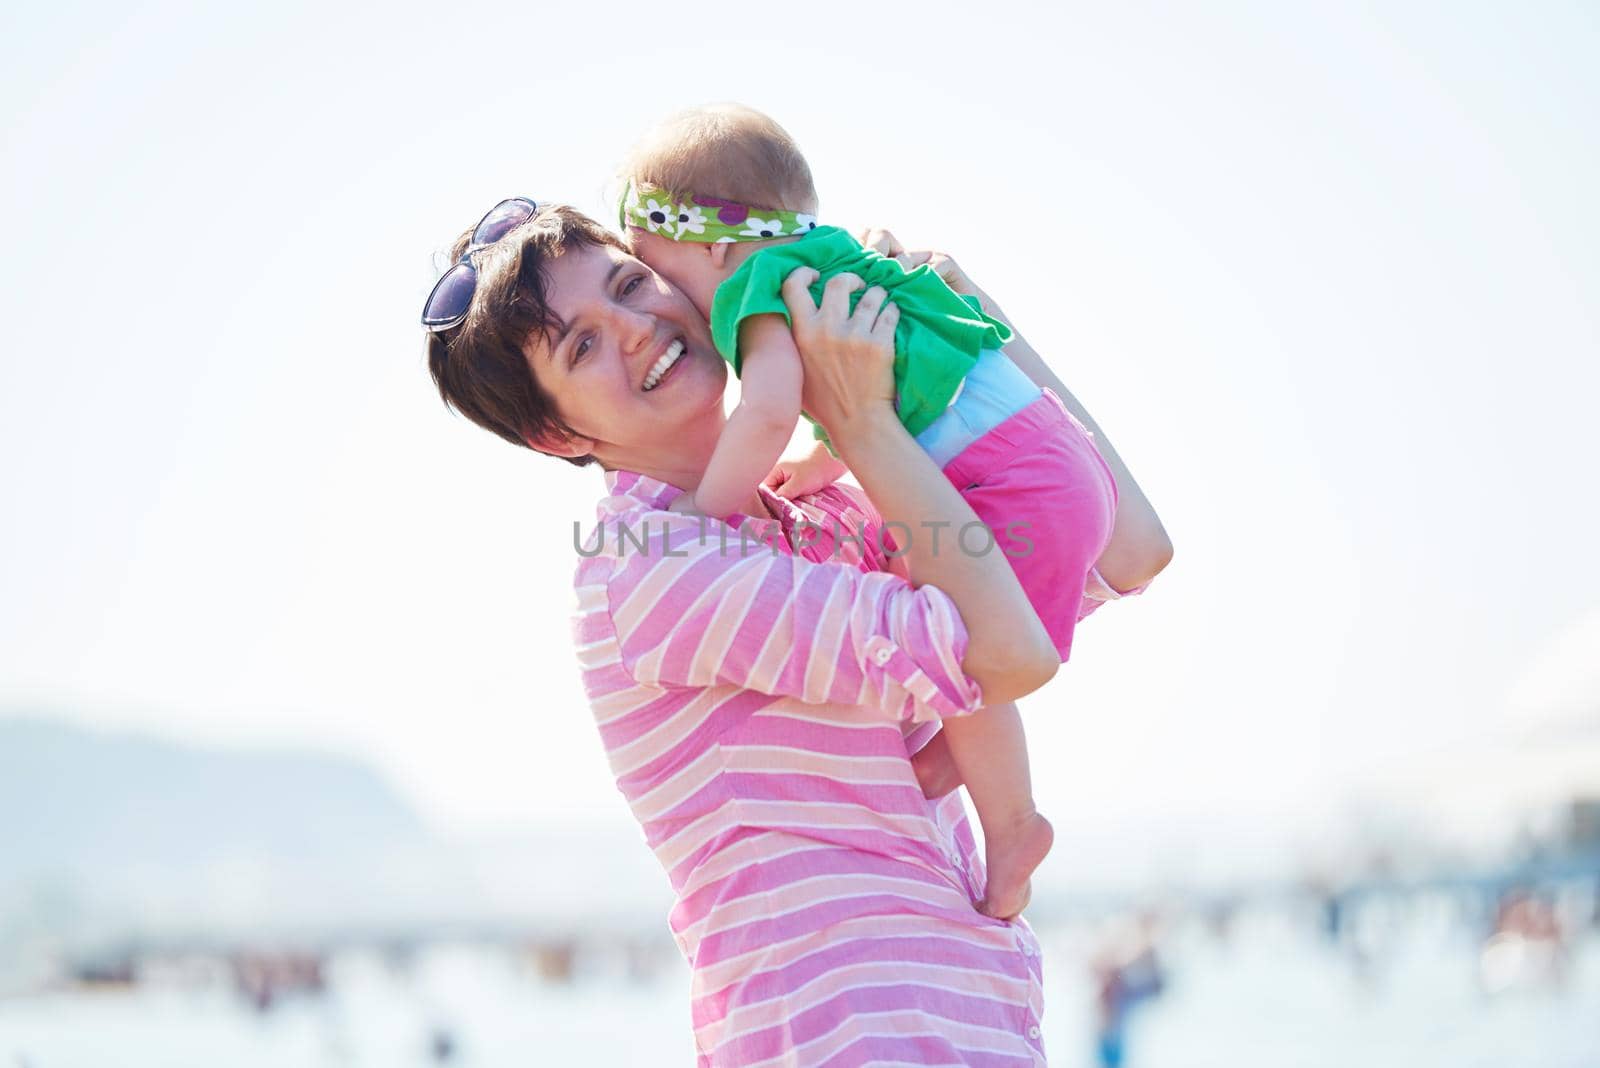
x=632, y=284
x=583, y=347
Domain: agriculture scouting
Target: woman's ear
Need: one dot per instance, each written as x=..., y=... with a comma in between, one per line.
x=556, y=443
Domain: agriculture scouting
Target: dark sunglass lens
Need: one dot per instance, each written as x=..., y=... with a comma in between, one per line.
x=452, y=297
x=505, y=217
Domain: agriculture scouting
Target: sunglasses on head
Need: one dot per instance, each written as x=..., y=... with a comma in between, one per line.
x=451, y=298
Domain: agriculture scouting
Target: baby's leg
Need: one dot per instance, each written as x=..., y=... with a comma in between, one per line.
x=1126, y=560
x=989, y=750
x=1039, y=485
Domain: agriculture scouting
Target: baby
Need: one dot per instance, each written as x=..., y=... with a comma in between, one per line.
x=720, y=201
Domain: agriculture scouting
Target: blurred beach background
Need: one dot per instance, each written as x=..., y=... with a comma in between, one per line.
x=295, y=769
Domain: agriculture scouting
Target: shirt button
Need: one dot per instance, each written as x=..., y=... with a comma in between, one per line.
x=1033, y=1032
x=882, y=656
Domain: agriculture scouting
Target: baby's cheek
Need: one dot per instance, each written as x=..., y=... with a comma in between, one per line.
x=669, y=279
x=641, y=247
x=658, y=265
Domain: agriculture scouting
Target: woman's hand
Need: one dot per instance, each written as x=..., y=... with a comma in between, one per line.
x=885, y=243
x=848, y=356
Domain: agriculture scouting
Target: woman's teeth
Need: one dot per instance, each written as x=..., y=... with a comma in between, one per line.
x=663, y=365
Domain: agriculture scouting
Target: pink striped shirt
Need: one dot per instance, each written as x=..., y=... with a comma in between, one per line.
x=757, y=704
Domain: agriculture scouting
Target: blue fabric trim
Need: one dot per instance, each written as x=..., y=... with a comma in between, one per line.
x=993, y=391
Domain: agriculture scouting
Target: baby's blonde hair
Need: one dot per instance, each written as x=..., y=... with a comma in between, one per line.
x=725, y=151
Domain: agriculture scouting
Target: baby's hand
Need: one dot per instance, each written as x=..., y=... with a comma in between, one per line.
x=683, y=504
x=796, y=478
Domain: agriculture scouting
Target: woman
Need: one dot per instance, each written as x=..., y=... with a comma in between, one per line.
x=758, y=706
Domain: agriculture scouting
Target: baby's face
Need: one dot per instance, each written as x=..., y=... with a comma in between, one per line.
x=686, y=264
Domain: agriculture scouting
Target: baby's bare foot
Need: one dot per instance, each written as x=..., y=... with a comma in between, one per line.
x=1011, y=854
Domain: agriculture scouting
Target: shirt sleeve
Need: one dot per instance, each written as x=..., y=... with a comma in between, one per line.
x=756, y=288
x=1097, y=591
x=848, y=505
x=689, y=611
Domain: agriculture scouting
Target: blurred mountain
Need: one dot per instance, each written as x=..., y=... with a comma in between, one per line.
x=73, y=799
x=112, y=835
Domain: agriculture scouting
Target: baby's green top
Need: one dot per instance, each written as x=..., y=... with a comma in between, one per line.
x=936, y=342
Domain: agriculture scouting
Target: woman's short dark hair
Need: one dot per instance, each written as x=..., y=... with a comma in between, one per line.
x=480, y=366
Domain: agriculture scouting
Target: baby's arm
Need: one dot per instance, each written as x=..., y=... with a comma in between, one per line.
x=759, y=428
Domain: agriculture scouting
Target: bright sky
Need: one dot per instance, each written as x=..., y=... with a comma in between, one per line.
x=1328, y=280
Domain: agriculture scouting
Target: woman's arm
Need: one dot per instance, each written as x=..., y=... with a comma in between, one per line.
x=1139, y=547
x=690, y=609
x=849, y=389
x=760, y=426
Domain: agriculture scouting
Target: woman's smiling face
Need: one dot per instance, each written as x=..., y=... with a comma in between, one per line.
x=630, y=366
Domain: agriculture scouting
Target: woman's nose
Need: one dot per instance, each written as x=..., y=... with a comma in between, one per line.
x=634, y=328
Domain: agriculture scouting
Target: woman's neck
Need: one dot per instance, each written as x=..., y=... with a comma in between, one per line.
x=684, y=466
x=690, y=480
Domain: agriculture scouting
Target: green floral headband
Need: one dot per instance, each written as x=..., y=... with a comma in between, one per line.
x=705, y=219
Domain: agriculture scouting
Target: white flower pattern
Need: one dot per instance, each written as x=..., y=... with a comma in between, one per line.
x=755, y=227
x=691, y=220
x=658, y=216
x=658, y=211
